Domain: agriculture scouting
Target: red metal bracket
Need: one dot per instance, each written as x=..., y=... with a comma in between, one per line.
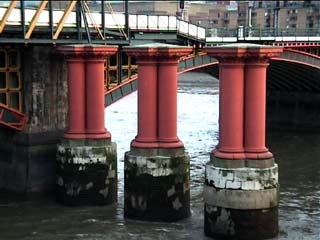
x=12, y=118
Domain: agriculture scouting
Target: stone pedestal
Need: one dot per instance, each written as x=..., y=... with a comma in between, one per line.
x=241, y=199
x=86, y=172
x=241, y=182
x=87, y=159
x=157, y=184
x=157, y=176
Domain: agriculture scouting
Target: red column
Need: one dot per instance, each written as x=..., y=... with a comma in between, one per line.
x=231, y=111
x=76, y=91
x=167, y=103
x=146, y=59
x=255, y=102
x=157, y=94
x=95, y=123
x=86, y=90
x=76, y=98
x=147, y=104
x=231, y=101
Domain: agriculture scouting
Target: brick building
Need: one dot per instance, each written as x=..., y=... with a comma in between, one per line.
x=216, y=15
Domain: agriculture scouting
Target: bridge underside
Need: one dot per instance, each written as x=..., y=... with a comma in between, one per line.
x=293, y=95
x=293, y=98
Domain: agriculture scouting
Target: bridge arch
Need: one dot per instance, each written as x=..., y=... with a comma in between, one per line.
x=292, y=71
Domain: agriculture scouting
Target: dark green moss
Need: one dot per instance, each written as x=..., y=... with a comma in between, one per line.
x=153, y=191
x=91, y=179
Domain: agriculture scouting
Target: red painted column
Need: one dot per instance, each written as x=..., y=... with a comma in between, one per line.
x=231, y=102
x=76, y=91
x=95, y=123
x=255, y=102
x=76, y=99
x=157, y=94
x=147, y=103
x=167, y=103
x=86, y=90
x=231, y=111
x=94, y=67
x=168, y=60
x=147, y=97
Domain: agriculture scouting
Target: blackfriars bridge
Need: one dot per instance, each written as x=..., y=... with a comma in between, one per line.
x=59, y=69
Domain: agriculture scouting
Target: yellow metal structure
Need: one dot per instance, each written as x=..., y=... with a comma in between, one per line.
x=7, y=14
x=128, y=69
x=35, y=18
x=63, y=19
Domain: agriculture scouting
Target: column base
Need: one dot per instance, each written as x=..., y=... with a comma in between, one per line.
x=157, y=184
x=226, y=223
x=136, y=143
x=86, y=172
x=241, y=202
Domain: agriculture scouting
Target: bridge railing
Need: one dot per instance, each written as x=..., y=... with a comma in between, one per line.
x=51, y=17
x=151, y=23
x=262, y=32
x=269, y=34
x=287, y=32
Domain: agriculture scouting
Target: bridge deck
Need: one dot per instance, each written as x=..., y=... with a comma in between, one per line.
x=48, y=23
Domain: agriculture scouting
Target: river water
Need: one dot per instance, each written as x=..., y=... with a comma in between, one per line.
x=298, y=157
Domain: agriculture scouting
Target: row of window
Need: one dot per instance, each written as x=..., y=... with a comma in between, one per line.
x=10, y=78
x=112, y=76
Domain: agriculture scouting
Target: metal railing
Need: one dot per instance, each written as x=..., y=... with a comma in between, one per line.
x=74, y=20
x=165, y=23
x=245, y=32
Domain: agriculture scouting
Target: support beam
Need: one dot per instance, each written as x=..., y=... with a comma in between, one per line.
x=35, y=18
x=7, y=14
x=63, y=19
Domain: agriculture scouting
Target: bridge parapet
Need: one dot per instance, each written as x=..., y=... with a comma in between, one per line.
x=241, y=34
x=77, y=23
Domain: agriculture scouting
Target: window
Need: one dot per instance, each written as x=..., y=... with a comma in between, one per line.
x=128, y=69
x=10, y=78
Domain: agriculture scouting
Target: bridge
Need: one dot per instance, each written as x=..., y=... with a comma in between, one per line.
x=59, y=69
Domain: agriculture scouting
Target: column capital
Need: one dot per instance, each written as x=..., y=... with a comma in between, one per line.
x=158, y=51
x=262, y=54
x=243, y=53
x=86, y=51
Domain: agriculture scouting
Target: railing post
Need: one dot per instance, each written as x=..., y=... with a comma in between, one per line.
x=23, y=20
x=103, y=19
x=51, y=18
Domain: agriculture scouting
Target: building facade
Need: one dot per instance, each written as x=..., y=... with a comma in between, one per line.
x=288, y=17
